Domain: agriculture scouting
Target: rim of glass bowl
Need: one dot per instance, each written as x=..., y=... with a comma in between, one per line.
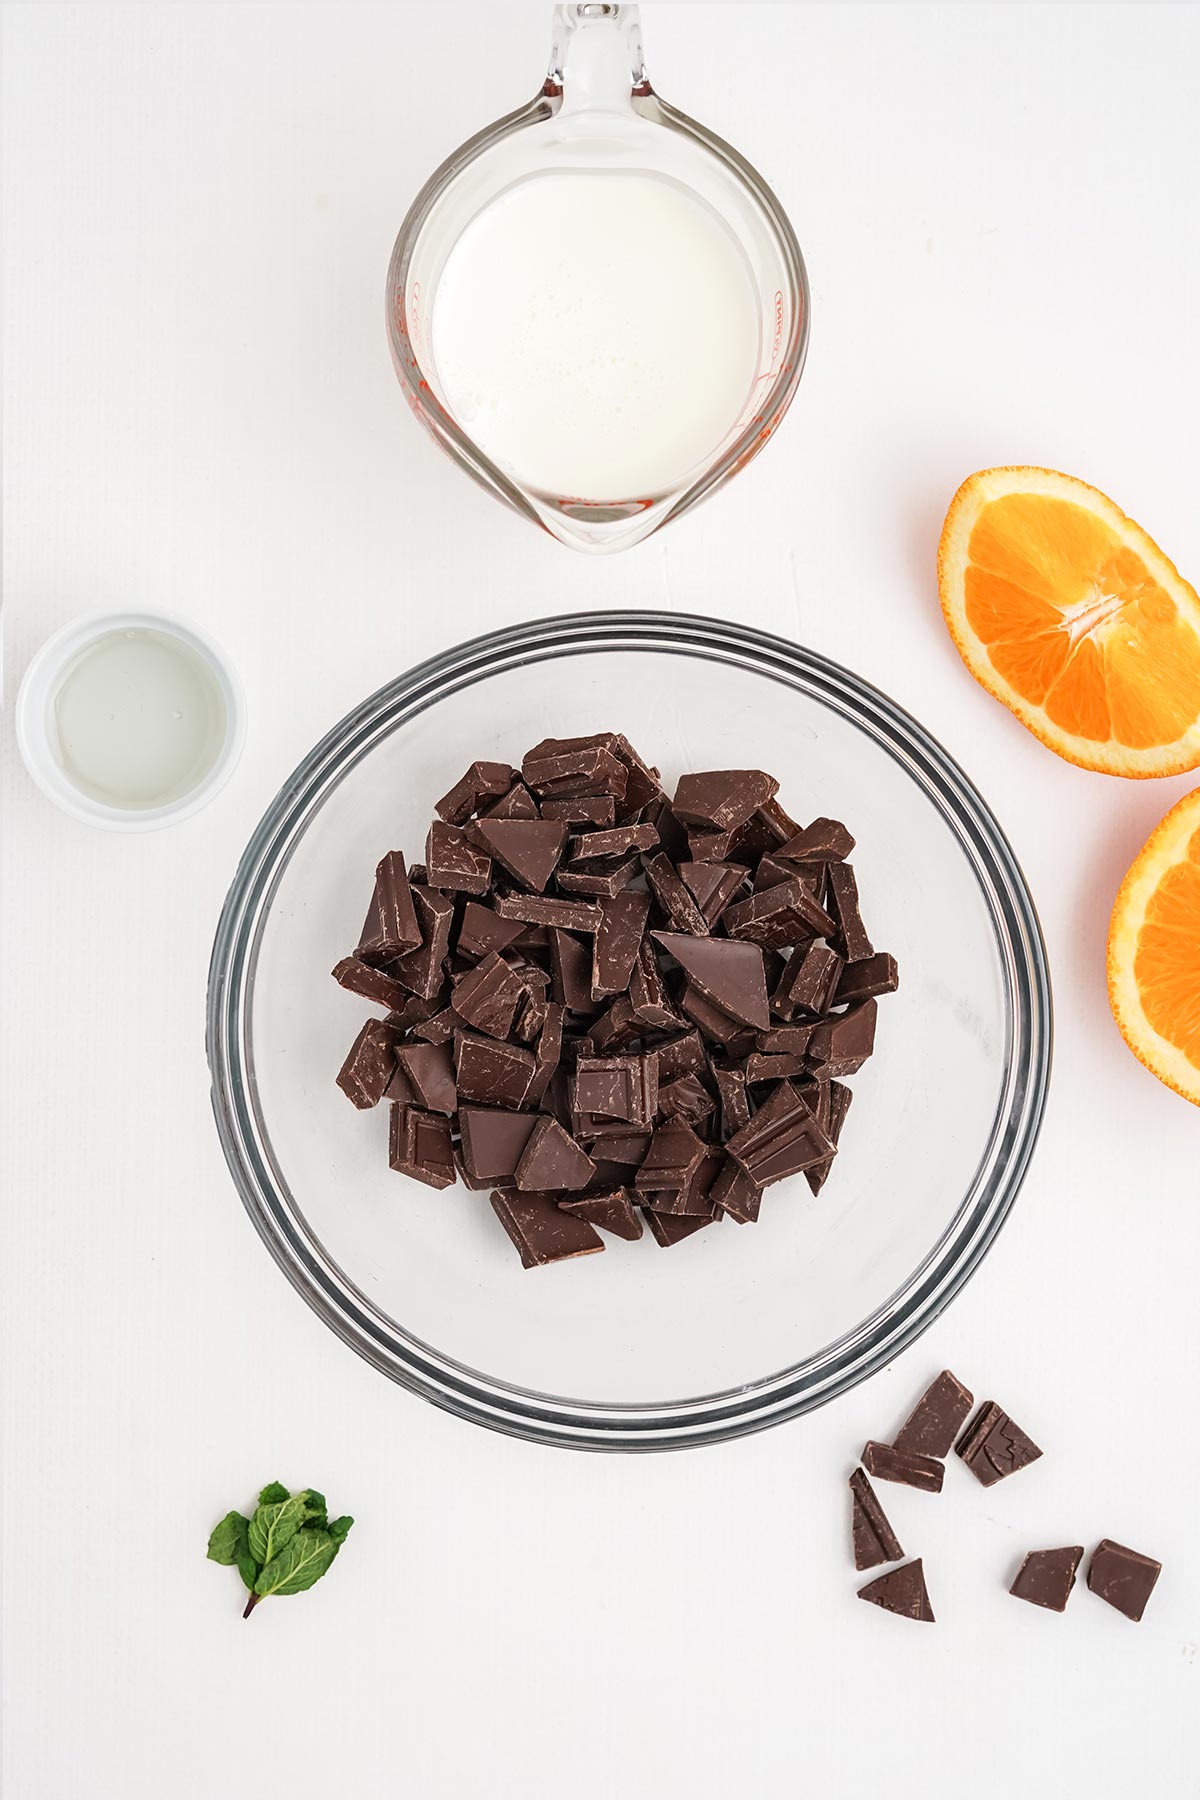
x=547, y=1418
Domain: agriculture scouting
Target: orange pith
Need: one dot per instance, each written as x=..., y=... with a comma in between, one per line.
x=1065, y=610
x=1154, y=951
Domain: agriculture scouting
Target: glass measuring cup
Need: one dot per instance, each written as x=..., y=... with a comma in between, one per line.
x=598, y=117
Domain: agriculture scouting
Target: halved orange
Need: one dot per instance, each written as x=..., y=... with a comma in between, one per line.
x=1154, y=952
x=1070, y=614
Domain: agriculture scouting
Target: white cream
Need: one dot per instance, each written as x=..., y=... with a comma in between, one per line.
x=597, y=334
x=139, y=719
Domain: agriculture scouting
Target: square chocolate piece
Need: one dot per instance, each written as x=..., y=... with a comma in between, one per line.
x=541, y=1231
x=1046, y=1577
x=993, y=1446
x=1125, y=1578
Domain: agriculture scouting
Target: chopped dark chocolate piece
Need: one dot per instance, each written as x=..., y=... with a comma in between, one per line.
x=547, y=1054
x=734, y=1193
x=440, y=1028
x=782, y=1067
x=370, y=984
x=553, y=1162
x=420, y=1146
x=677, y=905
x=541, y=1231
x=598, y=845
x=836, y=1108
x=570, y=962
x=936, y=1420
x=712, y=886
x=531, y=1019
x=482, y=781
x=713, y=1023
x=616, y=1087
x=902, y=1591
x=421, y=970
x=809, y=980
x=722, y=799
x=693, y=1199
x=685, y=1098
x=430, y=1071
x=366, y=1072
x=1046, y=1577
x=400, y=1088
x=558, y=773
x=600, y=880
x=610, y=1211
x=674, y=1155
x=778, y=916
x=518, y=803
x=488, y=997
x=492, y=1072
x=530, y=849
x=993, y=1446
x=584, y=809
x=683, y=1055
x=454, y=862
x=413, y=1012
x=864, y=980
x=538, y=909
x=825, y=840
x=784, y=1040
x=642, y=779
x=771, y=872
x=735, y=1105
x=617, y=941
x=782, y=1138
x=1125, y=1578
x=668, y=1229
x=391, y=927
x=730, y=975
x=874, y=1540
x=493, y=1140
x=616, y=1143
x=842, y=1043
x=647, y=995
x=615, y=1027
x=481, y=931
x=852, y=939
x=672, y=833
x=903, y=1466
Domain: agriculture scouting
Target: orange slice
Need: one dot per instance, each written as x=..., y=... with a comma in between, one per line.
x=1154, y=952
x=1066, y=611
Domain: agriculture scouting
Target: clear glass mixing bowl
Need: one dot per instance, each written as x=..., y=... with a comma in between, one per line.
x=739, y=1327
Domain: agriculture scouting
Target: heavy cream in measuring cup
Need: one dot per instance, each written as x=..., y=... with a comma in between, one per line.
x=597, y=333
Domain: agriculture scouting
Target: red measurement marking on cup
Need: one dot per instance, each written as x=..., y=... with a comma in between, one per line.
x=777, y=340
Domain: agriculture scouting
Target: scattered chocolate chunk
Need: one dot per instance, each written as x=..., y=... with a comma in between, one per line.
x=493, y=1141
x=809, y=980
x=825, y=840
x=993, y=1446
x=612, y=1211
x=784, y=1040
x=686, y=1098
x=530, y=849
x=936, y=1420
x=601, y=880
x=370, y=984
x=454, y=862
x=734, y=1193
x=712, y=886
x=489, y=996
x=420, y=1146
x=782, y=1138
x=492, y=1072
x=558, y=770
x=597, y=845
x=674, y=1155
x=391, y=928
x=760, y=1067
x=537, y=909
x=366, y=1072
x=482, y=781
x=616, y=1087
x=617, y=942
x=647, y=996
x=430, y=1072
x=570, y=964
x=518, y=803
x=399, y=1088
x=584, y=809
x=713, y=1023
x=671, y=1228
x=731, y=976
x=1046, y=1577
x=682, y=1055
x=481, y=931
x=837, y=1106
x=541, y=1230
x=874, y=1540
x=852, y=938
x=421, y=971
x=677, y=905
x=547, y=1054
x=777, y=916
x=902, y=1592
x=722, y=799
x=552, y=1162
x=865, y=980
x=903, y=1466
x=841, y=1044
x=1125, y=1578
x=735, y=1104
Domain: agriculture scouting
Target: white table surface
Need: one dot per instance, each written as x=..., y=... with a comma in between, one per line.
x=998, y=209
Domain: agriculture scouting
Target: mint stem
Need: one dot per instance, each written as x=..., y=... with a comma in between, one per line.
x=251, y=1603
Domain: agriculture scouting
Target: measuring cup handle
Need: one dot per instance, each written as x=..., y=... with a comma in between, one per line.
x=596, y=62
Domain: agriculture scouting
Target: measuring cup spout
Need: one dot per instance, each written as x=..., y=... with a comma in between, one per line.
x=596, y=62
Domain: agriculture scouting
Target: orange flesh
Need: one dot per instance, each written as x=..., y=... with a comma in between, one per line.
x=1166, y=967
x=1075, y=623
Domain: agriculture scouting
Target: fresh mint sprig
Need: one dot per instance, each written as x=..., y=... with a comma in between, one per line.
x=284, y=1547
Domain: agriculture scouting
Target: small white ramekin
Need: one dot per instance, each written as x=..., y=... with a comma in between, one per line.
x=37, y=732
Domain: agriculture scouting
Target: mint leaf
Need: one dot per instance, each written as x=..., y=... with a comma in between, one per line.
x=228, y=1539
x=272, y=1494
x=340, y=1527
x=315, y=1509
x=303, y=1562
x=274, y=1526
x=247, y=1568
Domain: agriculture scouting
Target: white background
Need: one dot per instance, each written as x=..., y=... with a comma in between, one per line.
x=997, y=205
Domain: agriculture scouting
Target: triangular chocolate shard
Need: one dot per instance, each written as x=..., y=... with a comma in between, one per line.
x=874, y=1540
x=712, y=885
x=611, y=1212
x=552, y=1161
x=722, y=799
x=730, y=975
x=529, y=849
x=902, y=1592
x=1046, y=1577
